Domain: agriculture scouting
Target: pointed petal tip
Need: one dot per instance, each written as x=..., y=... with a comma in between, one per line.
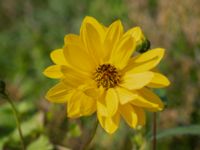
x=89, y=19
x=160, y=50
x=118, y=21
x=53, y=71
x=45, y=72
x=138, y=28
x=110, y=132
x=167, y=83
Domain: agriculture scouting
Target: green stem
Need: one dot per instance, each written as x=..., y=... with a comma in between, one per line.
x=87, y=144
x=154, y=131
x=16, y=119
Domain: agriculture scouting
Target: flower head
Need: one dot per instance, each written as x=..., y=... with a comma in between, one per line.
x=98, y=71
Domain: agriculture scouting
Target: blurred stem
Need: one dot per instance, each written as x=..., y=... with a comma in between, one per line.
x=89, y=140
x=154, y=131
x=16, y=119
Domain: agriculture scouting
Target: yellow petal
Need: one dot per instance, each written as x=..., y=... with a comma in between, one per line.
x=92, y=92
x=77, y=57
x=141, y=115
x=88, y=106
x=101, y=105
x=145, y=61
x=92, y=34
x=125, y=95
x=112, y=101
x=57, y=57
x=109, y=124
x=148, y=100
x=60, y=93
x=123, y=51
x=92, y=21
x=53, y=72
x=73, y=78
x=113, y=34
x=159, y=81
x=80, y=105
x=93, y=43
x=101, y=102
x=129, y=115
x=137, y=33
x=134, y=81
x=72, y=39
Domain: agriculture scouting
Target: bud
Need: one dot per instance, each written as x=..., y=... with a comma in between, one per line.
x=145, y=46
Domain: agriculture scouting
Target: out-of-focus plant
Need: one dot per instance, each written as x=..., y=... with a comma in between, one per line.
x=30, y=29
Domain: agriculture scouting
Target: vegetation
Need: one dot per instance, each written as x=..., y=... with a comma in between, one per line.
x=29, y=30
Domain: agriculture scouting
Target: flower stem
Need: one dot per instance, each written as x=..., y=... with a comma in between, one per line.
x=154, y=132
x=16, y=119
x=89, y=140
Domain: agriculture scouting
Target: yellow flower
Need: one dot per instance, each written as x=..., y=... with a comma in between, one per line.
x=97, y=73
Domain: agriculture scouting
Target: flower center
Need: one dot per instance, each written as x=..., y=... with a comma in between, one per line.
x=107, y=76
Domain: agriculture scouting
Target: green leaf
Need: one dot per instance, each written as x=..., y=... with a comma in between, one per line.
x=2, y=142
x=41, y=143
x=74, y=130
x=34, y=124
x=8, y=123
x=6, y=112
x=186, y=130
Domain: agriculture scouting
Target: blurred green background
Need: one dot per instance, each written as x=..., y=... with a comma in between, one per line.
x=31, y=29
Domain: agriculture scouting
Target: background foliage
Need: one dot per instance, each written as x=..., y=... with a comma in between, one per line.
x=30, y=29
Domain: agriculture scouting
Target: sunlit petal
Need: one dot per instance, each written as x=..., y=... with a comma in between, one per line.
x=145, y=61
x=134, y=81
x=159, y=81
x=60, y=93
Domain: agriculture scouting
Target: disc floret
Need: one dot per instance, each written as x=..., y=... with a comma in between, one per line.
x=107, y=76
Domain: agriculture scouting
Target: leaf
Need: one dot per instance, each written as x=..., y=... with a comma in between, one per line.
x=186, y=130
x=6, y=112
x=34, y=124
x=2, y=142
x=8, y=123
x=41, y=143
x=74, y=130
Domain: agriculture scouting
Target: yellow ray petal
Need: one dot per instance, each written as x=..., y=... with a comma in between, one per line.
x=60, y=93
x=129, y=115
x=57, y=57
x=137, y=33
x=92, y=21
x=77, y=57
x=53, y=72
x=109, y=124
x=92, y=41
x=107, y=102
x=159, y=81
x=101, y=105
x=125, y=95
x=145, y=61
x=112, y=101
x=122, y=53
x=148, y=100
x=92, y=34
x=113, y=34
x=73, y=77
x=141, y=115
x=92, y=92
x=88, y=106
x=80, y=105
x=134, y=81
x=72, y=39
